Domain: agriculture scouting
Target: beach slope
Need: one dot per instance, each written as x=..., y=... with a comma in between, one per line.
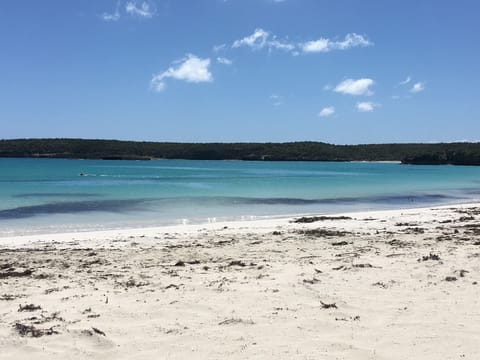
x=399, y=284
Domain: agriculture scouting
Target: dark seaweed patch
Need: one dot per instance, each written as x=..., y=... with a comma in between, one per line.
x=310, y=219
x=71, y=207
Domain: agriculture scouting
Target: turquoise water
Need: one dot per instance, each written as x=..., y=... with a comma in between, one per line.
x=50, y=195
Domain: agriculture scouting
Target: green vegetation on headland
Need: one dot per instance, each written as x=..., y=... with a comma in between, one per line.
x=441, y=153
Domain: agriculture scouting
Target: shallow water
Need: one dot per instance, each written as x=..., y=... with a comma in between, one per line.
x=56, y=195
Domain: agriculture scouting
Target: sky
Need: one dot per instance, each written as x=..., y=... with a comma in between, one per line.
x=337, y=71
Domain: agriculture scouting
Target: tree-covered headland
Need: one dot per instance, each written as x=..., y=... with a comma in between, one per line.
x=415, y=153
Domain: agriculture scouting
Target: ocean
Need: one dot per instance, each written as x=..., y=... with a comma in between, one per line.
x=60, y=195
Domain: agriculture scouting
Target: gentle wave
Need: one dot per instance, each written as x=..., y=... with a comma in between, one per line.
x=127, y=205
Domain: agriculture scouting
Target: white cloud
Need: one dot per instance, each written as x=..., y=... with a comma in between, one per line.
x=320, y=45
x=417, y=87
x=406, y=81
x=190, y=69
x=327, y=111
x=355, y=87
x=327, y=45
x=262, y=39
x=218, y=48
x=157, y=84
x=142, y=10
x=352, y=40
x=280, y=45
x=276, y=99
x=366, y=106
x=257, y=40
x=113, y=16
x=224, y=61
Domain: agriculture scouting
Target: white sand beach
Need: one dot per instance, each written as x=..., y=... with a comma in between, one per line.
x=401, y=284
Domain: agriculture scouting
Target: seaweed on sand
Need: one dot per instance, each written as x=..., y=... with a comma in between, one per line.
x=311, y=219
x=26, y=330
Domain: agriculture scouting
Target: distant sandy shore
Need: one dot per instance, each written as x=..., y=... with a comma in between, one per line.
x=400, y=284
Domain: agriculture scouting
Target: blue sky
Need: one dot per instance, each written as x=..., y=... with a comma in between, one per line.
x=339, y=71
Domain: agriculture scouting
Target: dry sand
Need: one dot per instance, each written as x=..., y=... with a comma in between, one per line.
x=378, y=285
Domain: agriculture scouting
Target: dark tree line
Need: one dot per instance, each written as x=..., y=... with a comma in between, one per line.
x=441, y=153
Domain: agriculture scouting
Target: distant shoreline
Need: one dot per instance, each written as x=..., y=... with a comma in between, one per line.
x=408, y=153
